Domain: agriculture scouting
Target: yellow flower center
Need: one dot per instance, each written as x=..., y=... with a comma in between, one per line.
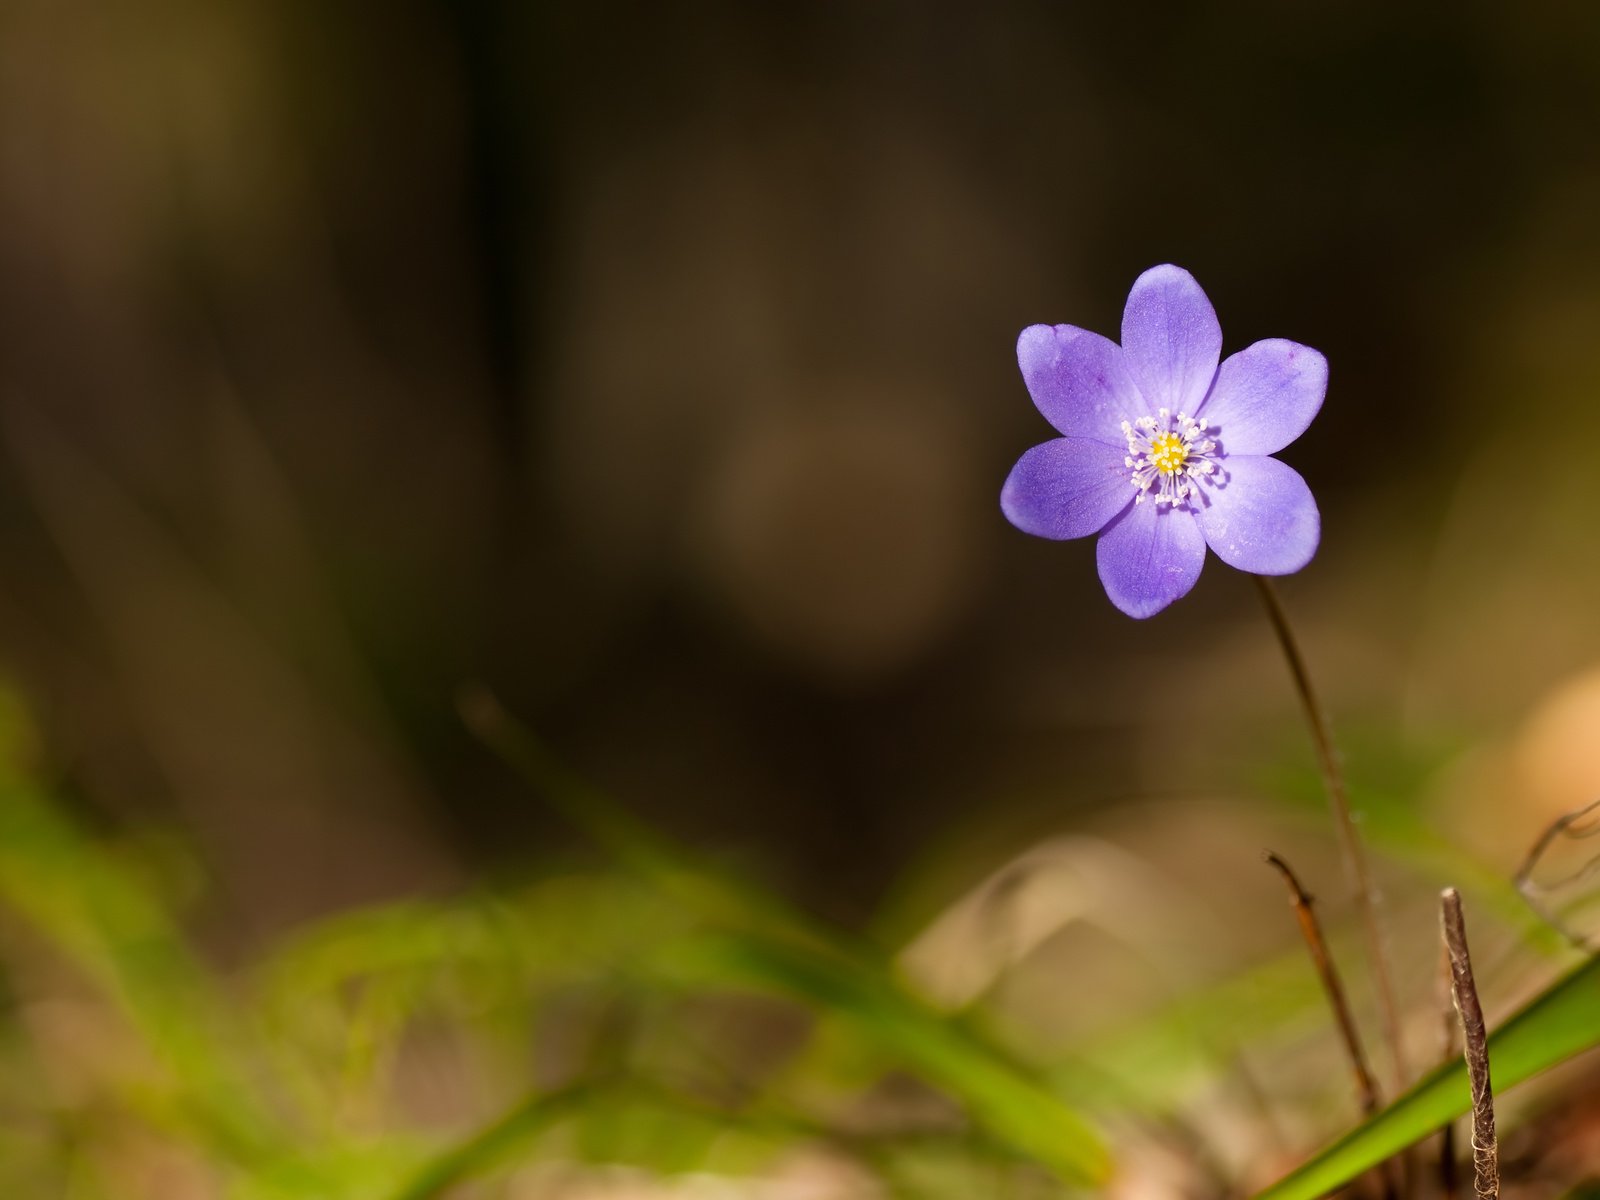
x=1168, y=452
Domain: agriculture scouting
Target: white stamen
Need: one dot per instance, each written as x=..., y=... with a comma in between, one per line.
x=1169, y=456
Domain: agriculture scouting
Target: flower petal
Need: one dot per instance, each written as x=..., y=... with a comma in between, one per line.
x=1149, y=557
x=1079, y=381
x=1266, y=395
x=1171, y=339
x=1067, y=488
x=1262, y=518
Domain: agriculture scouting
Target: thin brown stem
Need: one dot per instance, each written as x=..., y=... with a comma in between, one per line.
x=1311, y=929
x=1475, y=1041
x=1566, y=825
x=1350, y=845
x=1391, y=1175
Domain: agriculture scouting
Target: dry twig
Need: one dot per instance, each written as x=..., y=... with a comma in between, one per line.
x=1475, y=1040
x=1311, y=930
x=1533, y=893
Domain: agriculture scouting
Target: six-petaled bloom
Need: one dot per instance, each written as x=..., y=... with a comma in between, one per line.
x=1164, y=452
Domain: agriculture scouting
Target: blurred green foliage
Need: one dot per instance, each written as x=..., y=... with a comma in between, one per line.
x=590, y=1015
x=285, y=1078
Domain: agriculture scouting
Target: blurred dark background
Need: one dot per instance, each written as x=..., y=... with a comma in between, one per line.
x=653, y=365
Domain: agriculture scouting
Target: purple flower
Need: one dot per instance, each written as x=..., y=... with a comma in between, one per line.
x=1163, y=452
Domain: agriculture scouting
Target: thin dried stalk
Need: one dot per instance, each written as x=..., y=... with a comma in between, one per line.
x=1355, y=858
x=1475, y=1040
x=1311, y=930
x=1533, y=892
x=1316, y=944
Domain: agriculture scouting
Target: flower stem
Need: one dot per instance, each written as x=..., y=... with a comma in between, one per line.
x=1350, y=845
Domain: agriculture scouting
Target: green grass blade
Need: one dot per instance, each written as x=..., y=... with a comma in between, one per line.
x=1012, y=1105
x=494, y=1142
x=670, y=868
x=1556, y=1025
